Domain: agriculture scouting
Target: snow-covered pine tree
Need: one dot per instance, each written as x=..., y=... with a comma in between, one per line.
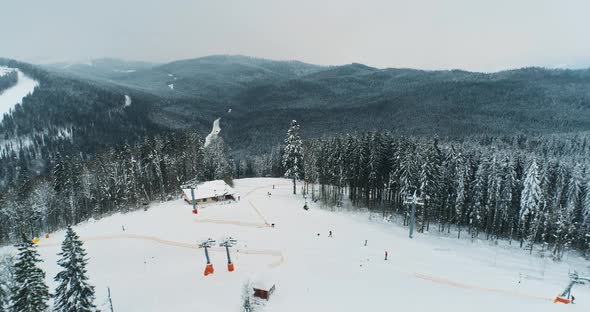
x=504, y=198
x=293, y=155
x=40, y=203
x=216, y=163
x=73, y=293
x=66, y=173
x=576, y=193
x=586, y=219
x=530, y=200
x=310, y=166
x=409, y=170
x=478, y=199
x=430, y=180
x=460, y=171
x=6, y=281
x=29, y=293
x=247, y=304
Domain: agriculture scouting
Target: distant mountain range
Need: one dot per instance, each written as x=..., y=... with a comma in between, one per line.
x=256, y=98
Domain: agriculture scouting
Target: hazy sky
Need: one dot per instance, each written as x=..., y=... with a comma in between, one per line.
x=483, y=35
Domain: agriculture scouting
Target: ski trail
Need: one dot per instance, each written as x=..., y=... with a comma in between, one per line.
x=266, y=252
x=230, y=222
x=444, y=281
x=258, y=212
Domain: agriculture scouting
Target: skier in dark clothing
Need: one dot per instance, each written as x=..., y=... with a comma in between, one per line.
x=330, y=234
x=365, y=242
x=385, y=255
x=573, y=298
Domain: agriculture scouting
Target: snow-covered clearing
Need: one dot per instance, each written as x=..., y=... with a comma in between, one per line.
x=171, y=86
x=127, y=100
x=154, y=265
x=15, y=94
x=5, y=70
x=214, y=132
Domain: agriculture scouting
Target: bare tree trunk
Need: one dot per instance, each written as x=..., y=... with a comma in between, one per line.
x=294, y=187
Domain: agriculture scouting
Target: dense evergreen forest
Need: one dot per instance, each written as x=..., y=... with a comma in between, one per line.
x=8, y=80
x=492, y=155
x=116, y=180
x=527, y=190
x=67, y=116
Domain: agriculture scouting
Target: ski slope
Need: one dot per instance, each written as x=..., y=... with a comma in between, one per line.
x=154, y=265
x=214, y=132
x=15, y=94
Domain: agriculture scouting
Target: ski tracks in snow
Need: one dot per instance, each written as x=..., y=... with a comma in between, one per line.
x=249, y=251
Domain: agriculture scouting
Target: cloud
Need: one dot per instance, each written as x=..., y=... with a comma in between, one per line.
x=427, y=34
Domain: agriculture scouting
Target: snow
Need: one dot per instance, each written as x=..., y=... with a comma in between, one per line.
x=171, y=86
x=15, y=94
x=214, y=132
x=154, y=265
x=209, y=189
x=127, y=100
x=229, y=111
x=5, y=70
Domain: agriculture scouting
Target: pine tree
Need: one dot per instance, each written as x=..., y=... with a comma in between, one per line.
x=247, y=304
x=479, y=199
x=29, y=294
x=293, y=155
x=6, y=281
x=73, y=293
x=216, y=164
x=531, y=197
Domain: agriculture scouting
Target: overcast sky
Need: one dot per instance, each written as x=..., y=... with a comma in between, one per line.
x=480, y=35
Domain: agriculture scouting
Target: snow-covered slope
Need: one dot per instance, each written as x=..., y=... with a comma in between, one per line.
x=127, y=100
x=214, y=132
x=15, y=94
x=154, y=264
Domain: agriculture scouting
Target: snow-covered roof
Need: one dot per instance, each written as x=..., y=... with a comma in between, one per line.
x=209, y=189
x=264, y=281
x=263, y=284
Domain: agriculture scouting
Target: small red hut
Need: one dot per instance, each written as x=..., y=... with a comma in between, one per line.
x=263, y=289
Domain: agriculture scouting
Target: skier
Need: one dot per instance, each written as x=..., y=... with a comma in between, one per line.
x=273, y=186
x=238, y=198
x=365, y=242
x=123, y=227
x=386, y=255
x=330, y=234
x=573, y=298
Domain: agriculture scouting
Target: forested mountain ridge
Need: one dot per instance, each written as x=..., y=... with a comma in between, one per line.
x=72, y=116
x=265, y=95
x=257, y=98
x=113, y=144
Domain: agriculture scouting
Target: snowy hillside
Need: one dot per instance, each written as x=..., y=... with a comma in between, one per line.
x=214, y=132
x=14, y=95
x=154, y=264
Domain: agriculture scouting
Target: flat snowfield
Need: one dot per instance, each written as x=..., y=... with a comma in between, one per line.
x=15, y=94
x=154, y=265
